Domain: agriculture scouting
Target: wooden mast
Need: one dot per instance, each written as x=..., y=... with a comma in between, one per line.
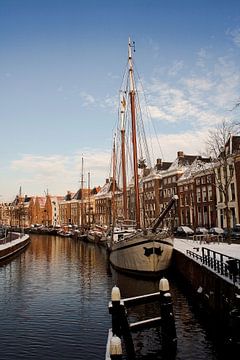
x=134, y=135
x=89, y=199
x=82, y=197
x=114, y=186
x=124, y=178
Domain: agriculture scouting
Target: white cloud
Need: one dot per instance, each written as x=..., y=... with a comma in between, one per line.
x=87, y=99
x=201, y=84
x=175, y=68
x=235, y=35
x=191, y=143
x=201, y=58
x=201, y=98
x=60, y=173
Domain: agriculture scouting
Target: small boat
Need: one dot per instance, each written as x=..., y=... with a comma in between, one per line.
x=146, y=251
x=96, y=234
x=11, y=243
x=64, y=233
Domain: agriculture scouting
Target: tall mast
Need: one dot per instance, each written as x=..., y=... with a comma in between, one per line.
x=89, y=198
x=114, y=185
x=124, y=178
x=82, y=197
x=134, y=134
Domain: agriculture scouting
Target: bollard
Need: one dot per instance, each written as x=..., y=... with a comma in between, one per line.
x=169, y=338
x=115, y=348
x=126, y=333
x=116, y=311
x=163, y=285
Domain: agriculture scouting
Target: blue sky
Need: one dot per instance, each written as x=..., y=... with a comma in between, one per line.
x=61, y=65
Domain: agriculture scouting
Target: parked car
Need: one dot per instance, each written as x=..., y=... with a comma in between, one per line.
x=235, y=233
x=201, y=230
x=184, y=231
x=216, y=231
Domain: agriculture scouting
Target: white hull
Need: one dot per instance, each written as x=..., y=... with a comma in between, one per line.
x=17, y=243
x=148, y=254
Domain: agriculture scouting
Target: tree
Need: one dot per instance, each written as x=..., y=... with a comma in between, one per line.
x=219, y=146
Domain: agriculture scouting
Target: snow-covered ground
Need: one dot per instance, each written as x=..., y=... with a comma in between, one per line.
x=232, y=250
x=229, y=250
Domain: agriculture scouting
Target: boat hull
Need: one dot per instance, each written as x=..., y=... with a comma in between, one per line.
x=142, y=254
x=14, y=246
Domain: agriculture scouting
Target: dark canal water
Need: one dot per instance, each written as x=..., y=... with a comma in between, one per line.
x=54, y=305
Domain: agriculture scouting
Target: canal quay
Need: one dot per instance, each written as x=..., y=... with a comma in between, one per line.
x=54, y=305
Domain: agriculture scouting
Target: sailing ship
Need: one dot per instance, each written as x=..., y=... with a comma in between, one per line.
x=146, y=251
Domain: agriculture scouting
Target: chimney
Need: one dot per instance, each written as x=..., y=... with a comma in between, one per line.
x=180, y=154
x=159, y=164
x=107, y=181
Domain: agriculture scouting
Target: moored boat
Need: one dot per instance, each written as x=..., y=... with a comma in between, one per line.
x=11, y=243
x=147, y=251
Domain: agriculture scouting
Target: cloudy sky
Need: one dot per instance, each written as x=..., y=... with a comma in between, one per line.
x=61, y=67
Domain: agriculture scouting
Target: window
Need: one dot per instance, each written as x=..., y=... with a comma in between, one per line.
x=209, y=179
x=209, y=193
x=199, y=216
x=183, y=217
x=198, y=181
x=233, y=192
x=198, y=195
x=181, y=200
x=204, y=193
x=203, y=180
x=231, y=170
x=205, y=214
x=220, y=196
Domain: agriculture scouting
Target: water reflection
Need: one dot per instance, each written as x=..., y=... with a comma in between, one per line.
x=54, y=301
x=54, y=305
x=194, y=337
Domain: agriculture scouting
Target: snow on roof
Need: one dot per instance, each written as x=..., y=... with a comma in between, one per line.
x=197, y=166
x=154, y=174
x=176, y=166
x=104, y=190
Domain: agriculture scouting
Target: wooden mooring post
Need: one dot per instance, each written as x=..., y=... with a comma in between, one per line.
x=121, y=329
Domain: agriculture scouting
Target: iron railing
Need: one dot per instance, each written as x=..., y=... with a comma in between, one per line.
x=221, y=264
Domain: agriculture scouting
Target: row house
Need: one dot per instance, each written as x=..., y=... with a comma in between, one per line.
x=169, y=182
x=237, y=181
x=104, y=206
x=19, y=211
x=44, y=210
x=5, y=214
x=193, y=178
x=197, y=195
x=227, y=172
x=25, y=211
x=78, y=209
x=151, y=192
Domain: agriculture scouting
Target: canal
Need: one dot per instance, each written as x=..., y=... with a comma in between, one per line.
x=54, y=305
